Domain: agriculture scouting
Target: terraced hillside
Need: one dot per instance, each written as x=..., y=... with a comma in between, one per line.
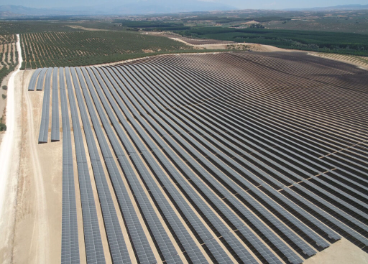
x=246, y=157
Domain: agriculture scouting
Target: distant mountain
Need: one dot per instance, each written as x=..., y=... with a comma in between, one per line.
x=128, y=8
x=21, y=10
x=330, y=8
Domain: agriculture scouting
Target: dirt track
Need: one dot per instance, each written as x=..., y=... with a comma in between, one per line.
x=35, y=235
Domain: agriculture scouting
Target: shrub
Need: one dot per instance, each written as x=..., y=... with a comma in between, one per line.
x=3, y=96
x=2, y=127
x=5, y=87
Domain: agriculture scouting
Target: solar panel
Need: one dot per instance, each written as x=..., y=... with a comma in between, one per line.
x=32, y=82
x=40, y=80
x=55, y=128
x=44, y=126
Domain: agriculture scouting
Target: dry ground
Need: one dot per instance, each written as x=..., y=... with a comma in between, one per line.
x=88, y=29
x=217, y=44
x=341, y=252
x=8, y=216
x=34, y=235
x=358, y=61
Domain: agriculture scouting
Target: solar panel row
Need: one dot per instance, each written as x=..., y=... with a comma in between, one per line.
x=44, y=126
x=69, y=235
x=41, y=79
x=32, y=82
x=55, y=128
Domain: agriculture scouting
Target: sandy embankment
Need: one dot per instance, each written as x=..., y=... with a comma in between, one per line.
x=220, y=46
x=361, y=62
x=87, y=29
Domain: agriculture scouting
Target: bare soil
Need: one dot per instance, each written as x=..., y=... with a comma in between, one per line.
x=341, y=252
x=88, y=29
x=37, y=225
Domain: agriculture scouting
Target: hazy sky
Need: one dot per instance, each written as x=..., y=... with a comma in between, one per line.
x=241, y=4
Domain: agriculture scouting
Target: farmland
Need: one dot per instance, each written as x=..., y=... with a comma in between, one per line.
x=8, y=61
x=32, y=26
x=8, y=55
x=213, y=158
x=332, y=42
x=58, y=49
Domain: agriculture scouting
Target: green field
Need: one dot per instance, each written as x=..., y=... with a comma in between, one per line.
x=18, y=27
x=60, y=49
x=62, y=41
x=336, y=42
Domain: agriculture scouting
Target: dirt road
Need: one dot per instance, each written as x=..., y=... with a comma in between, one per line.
x=40, y=227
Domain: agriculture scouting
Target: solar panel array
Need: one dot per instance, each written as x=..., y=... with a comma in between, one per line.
x=248, y=158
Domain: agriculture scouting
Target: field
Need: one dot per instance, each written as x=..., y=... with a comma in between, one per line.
x=8, y=55
x=60, y=49
x=245, y=158
x=8, y=61
x=30, y=26
x=349, y=21
x=342, y=43
x=333, y=32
